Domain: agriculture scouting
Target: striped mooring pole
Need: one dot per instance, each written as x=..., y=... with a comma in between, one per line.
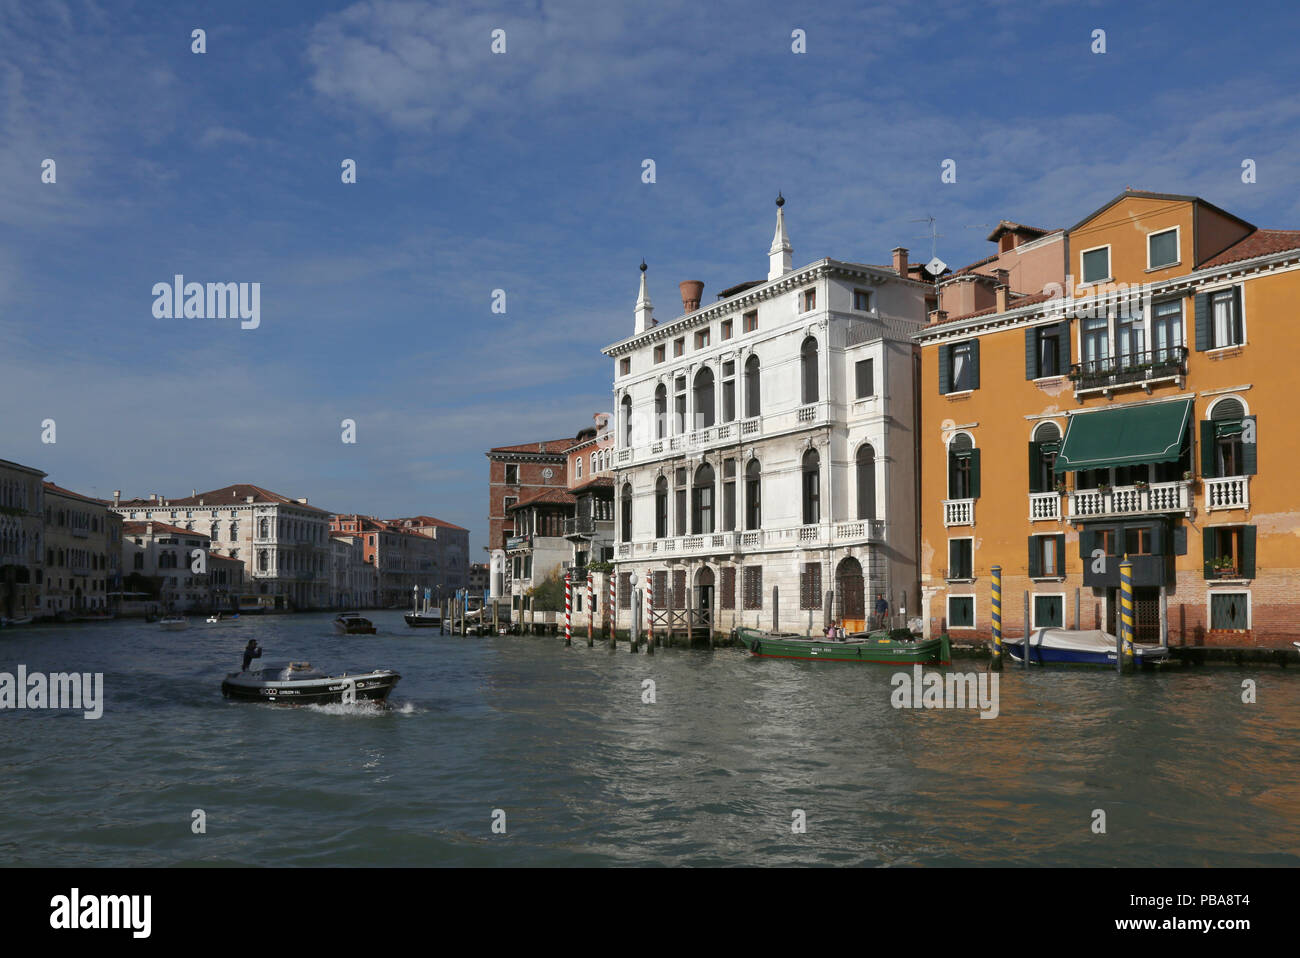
x=613, y=615
x=1124, y=661
x=591, y=611
x=650, y=609
x=568, y=608
x=996, y=664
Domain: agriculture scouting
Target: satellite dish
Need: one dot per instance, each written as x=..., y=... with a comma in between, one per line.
x=935, y=266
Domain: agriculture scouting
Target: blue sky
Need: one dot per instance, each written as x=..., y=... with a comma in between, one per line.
x=522, y=172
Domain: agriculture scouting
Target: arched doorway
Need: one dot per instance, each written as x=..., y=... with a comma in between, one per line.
x=850, y=590
x=701, y=617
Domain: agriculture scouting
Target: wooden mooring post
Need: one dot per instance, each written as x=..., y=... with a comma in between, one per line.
x=996, y=664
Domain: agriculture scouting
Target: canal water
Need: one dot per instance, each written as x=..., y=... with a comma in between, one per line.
x=584, y=772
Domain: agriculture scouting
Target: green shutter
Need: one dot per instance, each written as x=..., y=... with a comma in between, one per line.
x=975, y=363
x=1060, y=553
x=1035, y=565
x=1031, y=353
x=1207, y=448
x=1035, y=473
x=1249, y=450
x=952, y=473
x=974, y=473
x=1086, y=536
x=1203, y=322
x=1207, y=551
x=1063, y=347
x=1246, y=561
x=945, y=367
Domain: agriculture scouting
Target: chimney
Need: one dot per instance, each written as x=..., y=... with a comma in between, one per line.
x=117, y=496
x=692, y=290
x=1000, y=293
x=153, y=497
x=1003, y=276
x=900, y=261
x=194, y=493
x=938, y=316
x=303, y=500
x=148, y=528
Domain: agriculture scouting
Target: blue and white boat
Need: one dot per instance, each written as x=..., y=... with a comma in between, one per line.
x=1079, y=647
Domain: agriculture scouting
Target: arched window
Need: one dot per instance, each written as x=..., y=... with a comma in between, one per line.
x=704, y=414
x=262, y=560
x=963, y=468
x=234, y=531
x=625, y=410
x=702, y=504
x=753, y=495
x=1222, y=438
x=812, y=488
x=752, y=387
x=866, y=482
x=1043, y=450
x=625, y=520
x=577, y=465
x=661, y=411
x=808, y=370
x=593, y=463
x=661, y=508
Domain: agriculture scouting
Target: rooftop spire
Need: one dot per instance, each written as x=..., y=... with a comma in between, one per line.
x=779, y=257
x=644, y=308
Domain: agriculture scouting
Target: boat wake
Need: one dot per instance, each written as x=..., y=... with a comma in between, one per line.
x=355, y=710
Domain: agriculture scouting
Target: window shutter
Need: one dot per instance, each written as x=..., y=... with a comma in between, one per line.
x=1203, y=322
x=1031, y=353
x=945, y=367
x=1207, y=551
x=1238, y=317
x=975, y=363
x=1179, y=541
x=1085, y=544
x=952, y=473
x=1035, y=473
x=1250, y=450
x=1247, y=563
x=1035, y=564
x=1207, y=448
x=1063, y=347
x=1060, y=553
x=974, y=473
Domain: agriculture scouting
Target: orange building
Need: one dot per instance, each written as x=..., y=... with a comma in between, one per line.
x=1134, y=405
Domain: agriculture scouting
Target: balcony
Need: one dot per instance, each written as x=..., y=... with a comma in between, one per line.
x=731, y=543
x=1044, y=505
x=1141, y=370
x=1227, y=492
x=959, y=512
x=1130, y=500
x=583, y=526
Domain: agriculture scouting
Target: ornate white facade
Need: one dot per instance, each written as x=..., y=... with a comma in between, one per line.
x=765, y=446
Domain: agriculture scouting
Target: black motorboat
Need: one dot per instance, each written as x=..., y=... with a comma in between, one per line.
x=297, y=683
x=354, y=623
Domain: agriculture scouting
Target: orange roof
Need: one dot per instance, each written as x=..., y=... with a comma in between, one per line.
x=430, y=521
x=1015, y=301
x=226, y=495
x=138, y=528
x=1258, y=243
x=549, y=447
x=599, y=482
x=553, y=495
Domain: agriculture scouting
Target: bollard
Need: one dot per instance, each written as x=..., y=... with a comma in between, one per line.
x=591, y=613
x=650, y=608
x=634, y=635
x=613, y=613
x=568, y=609
x=1125, y=657
x=996, y=664
x=1025, y=651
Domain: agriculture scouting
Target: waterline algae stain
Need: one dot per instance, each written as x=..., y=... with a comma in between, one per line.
x=585, y=772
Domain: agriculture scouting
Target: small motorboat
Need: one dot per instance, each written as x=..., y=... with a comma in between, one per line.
x=429, y=617
x=10, y=623
x=297, y=683
x=353, y=623
x=1079, y=647
x=173, y=623
x=222, y=619
x=877, y=648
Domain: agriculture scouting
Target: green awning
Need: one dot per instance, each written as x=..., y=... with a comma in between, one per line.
x=1124, y=436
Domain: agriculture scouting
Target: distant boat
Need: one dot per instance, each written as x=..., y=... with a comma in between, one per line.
x=299, y=684
x=870, y=648
x=1079, y=647
x=353, y=623
x=222, y=619
x=173, y=623
x=22, y=620
x=426, y=618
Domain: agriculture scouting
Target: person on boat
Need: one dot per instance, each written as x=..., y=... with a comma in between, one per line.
x=882, y=607
x=251, y=651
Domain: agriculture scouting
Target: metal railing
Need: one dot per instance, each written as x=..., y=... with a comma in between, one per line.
x=1130, y=369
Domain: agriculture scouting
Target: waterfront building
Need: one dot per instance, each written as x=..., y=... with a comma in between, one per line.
x=590, y=471
x=479, y=582
x=22, y=556
x=765, y=456
x=1134, y=404
x=450, y=569
x=515, y=473
x=538, y=549
x=283, y=542
x=402, y=559
x=354, y=582
x=160, y=562
x=80, y=536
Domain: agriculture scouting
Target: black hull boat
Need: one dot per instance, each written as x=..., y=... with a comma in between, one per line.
x=299, y=684
x=353, y=623
x=424, y=620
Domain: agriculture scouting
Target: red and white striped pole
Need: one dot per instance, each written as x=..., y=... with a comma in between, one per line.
x=591, y=611
x=613, y=615
x=649, y=609
x=568, y=608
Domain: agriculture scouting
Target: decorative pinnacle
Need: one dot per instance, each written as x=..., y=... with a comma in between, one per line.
x=643, y=267
x=780, y=200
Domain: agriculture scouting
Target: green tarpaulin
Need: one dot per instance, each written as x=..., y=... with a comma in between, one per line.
x=1124, y=436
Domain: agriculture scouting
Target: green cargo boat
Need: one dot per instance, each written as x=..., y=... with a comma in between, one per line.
x=874, y=648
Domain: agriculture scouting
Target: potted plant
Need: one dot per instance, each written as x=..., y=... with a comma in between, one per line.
x=1187, y=475
x=1060, y=486
x=1141, y=484
x=1224, y=567
x=1103, y=488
